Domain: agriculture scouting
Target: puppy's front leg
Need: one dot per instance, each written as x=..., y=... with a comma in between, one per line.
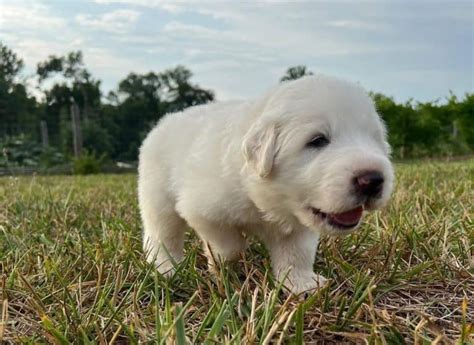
x=292, y=259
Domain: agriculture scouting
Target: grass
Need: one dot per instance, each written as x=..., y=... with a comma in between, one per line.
x=72, y=271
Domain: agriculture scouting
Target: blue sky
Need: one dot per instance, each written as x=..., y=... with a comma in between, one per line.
x=406, y=49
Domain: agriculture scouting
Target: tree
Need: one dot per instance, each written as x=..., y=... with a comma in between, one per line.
x=295, y=72
x=77, y=80
x=10, y=64
x=118, y=126
x=76, y=86
x=17, y=108
x=143, y=99
x=463, y=119
x=180, y=93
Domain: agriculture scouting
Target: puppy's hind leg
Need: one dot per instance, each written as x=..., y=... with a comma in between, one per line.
x=163, y=233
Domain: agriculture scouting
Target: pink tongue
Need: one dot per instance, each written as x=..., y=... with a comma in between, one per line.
x=349, y=217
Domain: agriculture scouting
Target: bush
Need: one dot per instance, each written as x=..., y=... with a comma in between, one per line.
x=95, y=137
x=88, y=163
x=20, y=151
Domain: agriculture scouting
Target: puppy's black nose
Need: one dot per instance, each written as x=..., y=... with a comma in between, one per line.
x=369, y=183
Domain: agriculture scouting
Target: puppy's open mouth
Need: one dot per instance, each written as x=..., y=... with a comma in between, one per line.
x=345, y=220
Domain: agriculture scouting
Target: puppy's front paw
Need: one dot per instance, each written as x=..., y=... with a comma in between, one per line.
x=166, y=268
x=298, y=284
x=163, y=265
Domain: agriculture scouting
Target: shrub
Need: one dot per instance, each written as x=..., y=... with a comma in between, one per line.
x=20, y=151
x=88, y=163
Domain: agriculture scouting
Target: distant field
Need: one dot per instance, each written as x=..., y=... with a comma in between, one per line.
x=72, y=271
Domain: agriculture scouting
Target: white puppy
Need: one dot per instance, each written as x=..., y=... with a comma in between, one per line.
x=305, y=159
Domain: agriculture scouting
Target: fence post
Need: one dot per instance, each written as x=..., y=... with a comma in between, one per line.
x=44, y=134
x=76, y=129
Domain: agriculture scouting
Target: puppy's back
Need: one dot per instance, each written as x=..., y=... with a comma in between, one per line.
x=190, y=143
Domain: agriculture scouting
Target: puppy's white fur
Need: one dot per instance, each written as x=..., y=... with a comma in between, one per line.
x=231, y=168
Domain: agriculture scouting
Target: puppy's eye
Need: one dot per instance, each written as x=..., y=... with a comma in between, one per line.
x=318, y=141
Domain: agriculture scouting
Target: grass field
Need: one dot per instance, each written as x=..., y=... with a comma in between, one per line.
x=72, y=271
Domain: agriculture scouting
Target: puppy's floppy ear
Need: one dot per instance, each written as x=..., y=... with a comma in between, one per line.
x=260, y=147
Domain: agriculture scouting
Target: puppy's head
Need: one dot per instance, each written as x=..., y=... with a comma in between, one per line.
x=318, y=155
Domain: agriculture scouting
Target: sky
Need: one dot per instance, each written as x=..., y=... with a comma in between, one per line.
x=417, y=49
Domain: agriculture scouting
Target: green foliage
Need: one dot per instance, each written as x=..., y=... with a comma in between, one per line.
x=88, y=163
x=141, y=100
x=295, y=72
x=10, y=64
x=51, y=157
x=95, y=137
x=179, y=92
x=75, y=86
x=428, y=129
x=70, y=66
x=16, y=107
x=21, y=151
x=118, y=126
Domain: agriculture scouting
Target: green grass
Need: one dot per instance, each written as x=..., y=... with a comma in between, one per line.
x=72, y=271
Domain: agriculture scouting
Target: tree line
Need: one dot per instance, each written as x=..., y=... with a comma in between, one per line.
x=114, y=125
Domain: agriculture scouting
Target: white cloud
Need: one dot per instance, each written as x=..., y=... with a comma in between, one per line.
x=34, y=50
x=176, y=27
x=105, y=62
x=354, y=24
x=216, y=9
x=261, y=39
x=169, y=6
x=118, y=21
x=29, y=16
x=31, y=29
